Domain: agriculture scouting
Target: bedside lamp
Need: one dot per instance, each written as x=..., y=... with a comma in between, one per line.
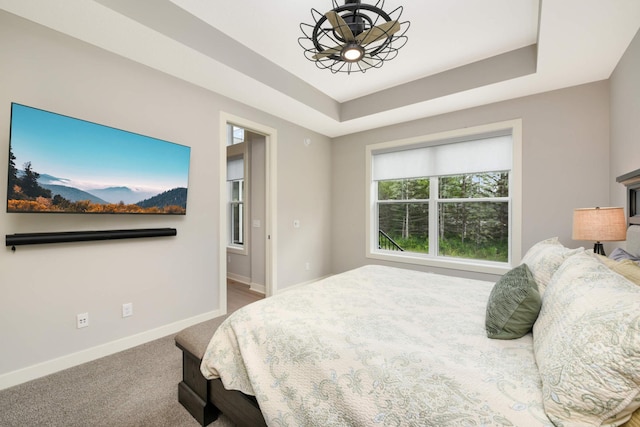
x=599, y=224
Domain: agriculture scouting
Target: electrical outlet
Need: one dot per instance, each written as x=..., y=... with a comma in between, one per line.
x=307, y=266
x=127, y=309
x=82, y=320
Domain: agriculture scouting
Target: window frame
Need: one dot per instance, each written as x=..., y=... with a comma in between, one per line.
x=514, y=127
x=238, y=149
x=240, y=203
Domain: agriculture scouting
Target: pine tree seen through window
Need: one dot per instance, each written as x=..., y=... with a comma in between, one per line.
x=472, y=215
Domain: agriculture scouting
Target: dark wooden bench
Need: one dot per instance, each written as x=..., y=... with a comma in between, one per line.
x=207, y=399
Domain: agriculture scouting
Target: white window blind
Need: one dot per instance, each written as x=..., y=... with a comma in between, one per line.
x=235, y=169
x=480, y=155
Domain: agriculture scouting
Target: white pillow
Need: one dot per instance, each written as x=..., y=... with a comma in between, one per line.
x=587, y=345
x=544, y=258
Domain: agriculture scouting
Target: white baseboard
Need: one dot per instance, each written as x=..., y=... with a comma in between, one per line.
x=247, y=281
x=29, y=373
x=238, y=278
x=288, y=288
x=258, y=288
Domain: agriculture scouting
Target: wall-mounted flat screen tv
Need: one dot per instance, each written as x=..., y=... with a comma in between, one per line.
x=65, y=165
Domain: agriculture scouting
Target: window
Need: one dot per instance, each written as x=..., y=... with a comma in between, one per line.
x=403, y=215
x=473, y=216
x=235, y=135
x=449, y=200
x=235, y=188
x=236, y=191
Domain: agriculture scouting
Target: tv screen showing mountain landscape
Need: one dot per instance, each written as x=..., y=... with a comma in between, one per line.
x=66, y=165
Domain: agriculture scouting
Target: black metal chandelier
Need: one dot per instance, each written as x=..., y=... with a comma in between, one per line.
x=353, y=37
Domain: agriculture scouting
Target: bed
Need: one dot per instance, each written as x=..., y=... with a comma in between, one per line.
x=387, y=346
x=555, y=342
x=377, y=345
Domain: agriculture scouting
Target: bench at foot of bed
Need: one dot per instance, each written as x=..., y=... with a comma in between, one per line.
x=193, y=391
x=207, y=399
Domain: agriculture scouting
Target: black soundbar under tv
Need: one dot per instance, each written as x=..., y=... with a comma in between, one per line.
x=84, y=236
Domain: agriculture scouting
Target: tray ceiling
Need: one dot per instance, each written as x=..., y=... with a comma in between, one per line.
x=460, y=53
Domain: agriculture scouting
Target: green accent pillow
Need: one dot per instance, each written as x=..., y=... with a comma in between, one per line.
x=513, y=305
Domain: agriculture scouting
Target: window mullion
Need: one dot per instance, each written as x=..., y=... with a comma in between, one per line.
x=475, y=199
x=433, y=216
x=402, y=201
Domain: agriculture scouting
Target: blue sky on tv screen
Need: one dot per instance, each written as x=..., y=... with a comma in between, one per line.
x=88, y=156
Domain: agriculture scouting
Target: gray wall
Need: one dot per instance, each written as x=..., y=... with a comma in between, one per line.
x=258, y=239
x=625, y=120
x=565, y=151
x=169, y=280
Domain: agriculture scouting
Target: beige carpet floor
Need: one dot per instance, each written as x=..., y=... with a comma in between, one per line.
x=136, y=387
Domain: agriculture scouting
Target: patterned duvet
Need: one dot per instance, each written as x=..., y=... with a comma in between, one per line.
x=378, y=346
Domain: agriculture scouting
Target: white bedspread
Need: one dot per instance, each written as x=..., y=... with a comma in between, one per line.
x=378, y=346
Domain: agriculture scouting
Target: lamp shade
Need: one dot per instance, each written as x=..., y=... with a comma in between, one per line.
x=599, y=224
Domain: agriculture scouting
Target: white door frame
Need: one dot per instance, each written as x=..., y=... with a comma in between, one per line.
x=271, y=145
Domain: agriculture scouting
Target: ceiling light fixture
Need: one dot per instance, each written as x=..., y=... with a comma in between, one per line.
x=353, y=37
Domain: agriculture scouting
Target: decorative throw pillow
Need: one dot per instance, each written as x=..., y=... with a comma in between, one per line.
x=587, y=345
x=544, y=258
x=620, y=254
x=513, y=306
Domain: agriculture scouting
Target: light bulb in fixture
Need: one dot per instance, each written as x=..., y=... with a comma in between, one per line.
x=352, y=52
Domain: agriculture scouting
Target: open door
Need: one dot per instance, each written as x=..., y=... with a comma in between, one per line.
x=260, y=230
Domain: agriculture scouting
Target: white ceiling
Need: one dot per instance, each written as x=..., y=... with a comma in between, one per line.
x=442, y=35
x=570, y=42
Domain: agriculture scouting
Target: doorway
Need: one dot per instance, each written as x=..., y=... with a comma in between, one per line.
x=257, y=230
